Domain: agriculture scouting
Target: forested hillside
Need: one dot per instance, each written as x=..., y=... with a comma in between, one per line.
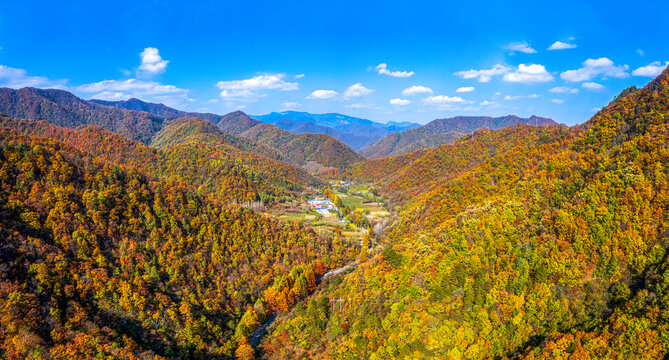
x=62, y=108
x=180, y=130
x=551, y=244
x=101, y=260
x=144, y=122
x=392, y=197
x=443, y=131
x=316, y=152
x=204, y=160
x=355, y=132
x=235, y=122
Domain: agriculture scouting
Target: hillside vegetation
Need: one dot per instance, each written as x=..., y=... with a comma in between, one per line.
x=102, y=260
x=530, y=243
x=523, y=242
x=62, y=108
x=235, y=122
x=443, y=131
x=143, y=122
x=305, y=149
x=202, y=159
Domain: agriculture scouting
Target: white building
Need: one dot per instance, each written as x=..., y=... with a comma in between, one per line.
x=323, y=206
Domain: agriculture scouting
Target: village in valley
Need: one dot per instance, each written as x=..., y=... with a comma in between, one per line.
x=324, y=206
x=349, y=209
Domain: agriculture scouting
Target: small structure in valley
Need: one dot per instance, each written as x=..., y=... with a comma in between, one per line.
x=323, y=206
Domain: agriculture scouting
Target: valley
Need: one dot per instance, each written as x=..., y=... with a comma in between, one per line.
x=334, y=180
x=358, y=211
x=204, y=244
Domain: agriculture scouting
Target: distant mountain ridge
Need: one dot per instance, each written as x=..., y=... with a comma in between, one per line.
x=352, y=131
x=64, y=109
x=443, y=131
x=142, y=121
x=314, y=152
x=235, y=122
x=304, y=127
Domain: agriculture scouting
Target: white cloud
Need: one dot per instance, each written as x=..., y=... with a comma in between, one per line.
x=529, y=74
x=357, y=90
x=563, y=90
x=516, y=97
x=443, y=100
x=146, y=90
x=383, y=70
x=248, y=89
x=212, y=101
x=464, y=89
x=651, y=70
x=131, y=85
x=522, y=47
x=152, y=63
x=233, y=96
x=399, y=102
x=291, y=105
x=594, y=67
x=322, y=94
x=557, y=101
x=299, y=76
x=259, y=82
x=17, y=78
x=415, y=90
x=559, y=45
x=488, y=103
x=111, y=96
x=640, y=52
x=106, y=89
x=592, y=86
x=484, y=75
x=363, y=106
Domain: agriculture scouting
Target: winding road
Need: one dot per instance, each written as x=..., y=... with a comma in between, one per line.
x=261, y=331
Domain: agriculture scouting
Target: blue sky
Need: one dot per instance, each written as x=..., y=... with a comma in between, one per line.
x=385, y=61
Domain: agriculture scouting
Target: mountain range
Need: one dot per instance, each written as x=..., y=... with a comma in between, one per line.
x=354, y=132
x=142, y=121
x=443, y=131
x=126, y=234
x=523, y=242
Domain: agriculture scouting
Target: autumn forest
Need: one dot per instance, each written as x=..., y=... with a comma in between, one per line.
x=130, y=230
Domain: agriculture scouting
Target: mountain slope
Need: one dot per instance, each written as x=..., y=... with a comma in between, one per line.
x=64, y=109
x=99, y=261
x=303, y=127
x=179, y=130
x=205, y=160
x=552, y=244
x=354, y=132
x=443, y=131
x=235, y=122
x=316, y=152
x=403, y=177
x=329, y=119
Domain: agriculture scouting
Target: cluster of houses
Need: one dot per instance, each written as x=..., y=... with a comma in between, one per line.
x=323, y=206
